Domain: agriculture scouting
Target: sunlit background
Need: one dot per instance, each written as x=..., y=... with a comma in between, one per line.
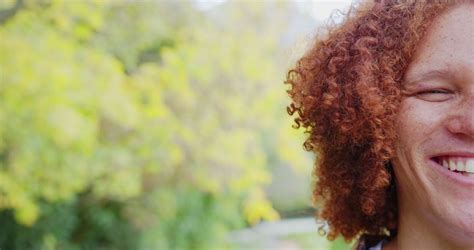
x=154, y=125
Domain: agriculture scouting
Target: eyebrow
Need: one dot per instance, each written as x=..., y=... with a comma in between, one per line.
x=430, y=75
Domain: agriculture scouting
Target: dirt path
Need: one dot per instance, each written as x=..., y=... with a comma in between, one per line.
x=271, y=235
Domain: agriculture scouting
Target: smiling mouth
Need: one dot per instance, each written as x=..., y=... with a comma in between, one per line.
x=459, y=165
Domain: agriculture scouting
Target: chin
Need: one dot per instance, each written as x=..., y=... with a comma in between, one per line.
x=442, y=201
x=452, y=205
x=460, y=226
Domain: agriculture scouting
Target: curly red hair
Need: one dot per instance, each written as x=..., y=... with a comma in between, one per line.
x=345, y=92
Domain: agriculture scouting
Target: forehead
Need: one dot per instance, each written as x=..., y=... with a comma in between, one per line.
x=448, y=45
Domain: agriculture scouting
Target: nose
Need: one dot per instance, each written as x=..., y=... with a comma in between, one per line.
x=462, y=123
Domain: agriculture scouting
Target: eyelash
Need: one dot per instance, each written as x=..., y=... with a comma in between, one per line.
x=434, y=95
x=432, y=92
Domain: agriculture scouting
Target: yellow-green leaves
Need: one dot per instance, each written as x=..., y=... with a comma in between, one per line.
x=152, y=116
x=256, y=207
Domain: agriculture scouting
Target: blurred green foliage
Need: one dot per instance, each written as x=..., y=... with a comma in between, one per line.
x=149, y=125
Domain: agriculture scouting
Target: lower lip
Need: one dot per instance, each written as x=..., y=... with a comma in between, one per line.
x=463, y=180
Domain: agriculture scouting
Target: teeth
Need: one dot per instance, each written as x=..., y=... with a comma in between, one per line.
x=460, y=166
x=445, y=163
x=469, y=167
x=464, y=165
x=452, y=165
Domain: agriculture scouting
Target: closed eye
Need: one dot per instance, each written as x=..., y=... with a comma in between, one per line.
x=436, y=91
x=435, y=95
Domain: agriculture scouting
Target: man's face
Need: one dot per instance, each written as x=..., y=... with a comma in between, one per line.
x=436, y=129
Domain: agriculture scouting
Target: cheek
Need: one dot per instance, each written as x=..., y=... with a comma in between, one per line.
x=411, y=125
x=417, y=125
x=418, y=121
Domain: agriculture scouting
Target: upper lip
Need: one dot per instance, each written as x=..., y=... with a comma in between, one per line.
x=454, y=154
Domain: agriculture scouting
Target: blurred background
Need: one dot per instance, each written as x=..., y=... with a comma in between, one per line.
x=154, y=125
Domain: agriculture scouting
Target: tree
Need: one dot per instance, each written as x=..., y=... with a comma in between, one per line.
x=128, y=127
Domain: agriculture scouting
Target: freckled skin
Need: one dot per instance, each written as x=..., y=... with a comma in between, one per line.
x=434, y=212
